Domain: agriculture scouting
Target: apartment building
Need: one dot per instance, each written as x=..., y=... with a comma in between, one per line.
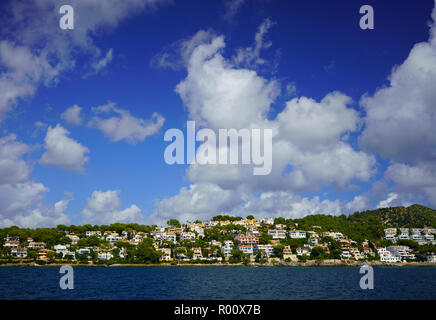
x=297, y=234
x=277, y=234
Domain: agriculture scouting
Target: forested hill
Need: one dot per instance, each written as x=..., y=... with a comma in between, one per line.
x=414, y=216
x=370, y=224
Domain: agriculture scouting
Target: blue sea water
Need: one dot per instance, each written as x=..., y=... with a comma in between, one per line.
x=169, y=283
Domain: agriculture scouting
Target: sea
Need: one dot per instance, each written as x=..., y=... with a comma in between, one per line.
x=217, y=282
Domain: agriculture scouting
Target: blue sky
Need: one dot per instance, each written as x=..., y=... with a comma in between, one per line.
x=309, y=49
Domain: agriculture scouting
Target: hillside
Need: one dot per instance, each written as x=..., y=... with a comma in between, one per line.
x=370, y=224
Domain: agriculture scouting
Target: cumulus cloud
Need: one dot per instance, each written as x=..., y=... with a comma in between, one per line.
x=400, y=117
x=104, y=207
x=62, y=151
x=21, y=200
x=205, y=200
x=393, y=200
x=289, y=205
x=21, y=205
x=72, y=115
x=214, y=91
x=195, y=202
x=399, y=123
x=30, y=58
x=414, y=181
x=13, y=169
x=22, y=71
x=124, y=126
x=317, y=125
x=310, y=149
x=308, y=135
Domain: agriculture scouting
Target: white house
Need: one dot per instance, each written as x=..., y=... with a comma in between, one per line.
x=301, y=251
x=228, y=243
x=338, y=235
x=226, y=250
x=83, y=251
x=187, y=236
x=74, y=238
x=19, y=252
x=36, y=245
x=429, y=237
x=390, y=237
x=403, y=252
x=416, y=237
x=389, y=258
x=346, y=254
x=105, y=256
x=247, y=248
x=11, y=244
x=60, y=248
x=93, y=233
x=297, y=234
x=169, y=237
x=113, y=238
x=404, y=236
x=277, y=234
x=431, y=258
x=268, y=248
x=313, y=241
x=166, y=254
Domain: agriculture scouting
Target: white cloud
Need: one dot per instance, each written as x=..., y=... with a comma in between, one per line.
x=62, y=151
x=359, y=203
x=289, y=205
x=20, y=198
x=13, y=169
x=221, y=96
x=232, y=8
x=291, y=89
x=124, y=126
x=308, y=135
x=414, y=181
x=21, y=205
x=310, y=149
x=99, y=65
x=104, y=207
x=250, y=57
x=400, y=118
x=32, y=57
x=23, y=70
x=72, y=115
x=199, y=201
x=205, y=200
x=317, y=126
x=387, y=202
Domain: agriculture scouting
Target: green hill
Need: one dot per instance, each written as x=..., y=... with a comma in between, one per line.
x=370, y=224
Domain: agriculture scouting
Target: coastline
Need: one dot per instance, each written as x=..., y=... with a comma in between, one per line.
x=277, y=264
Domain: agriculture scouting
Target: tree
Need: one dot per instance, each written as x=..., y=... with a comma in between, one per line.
x=250, y=217
x=264, y=238
x=236, y=256
x=278, y=251
x=317, y=253
x=279, y=220
x=146, y=253
x=174, y=223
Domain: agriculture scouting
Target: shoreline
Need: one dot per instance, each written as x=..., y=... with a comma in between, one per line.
x=281, y=264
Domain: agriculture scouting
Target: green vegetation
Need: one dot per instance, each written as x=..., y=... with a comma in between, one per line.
x=138, y=245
